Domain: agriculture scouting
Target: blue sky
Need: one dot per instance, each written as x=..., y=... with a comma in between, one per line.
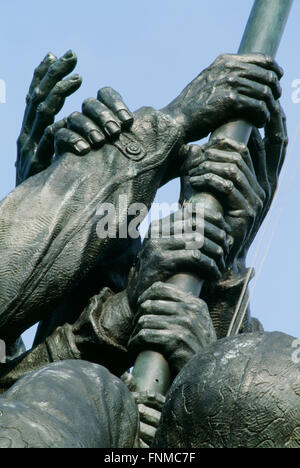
x=149, y=51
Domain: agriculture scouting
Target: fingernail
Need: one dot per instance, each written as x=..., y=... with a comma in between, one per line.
x=125, y=117
x=50, y=57
x=69, y=54
x=112, y=128
x=75, y=78
x=82, y=147
x=95, y=137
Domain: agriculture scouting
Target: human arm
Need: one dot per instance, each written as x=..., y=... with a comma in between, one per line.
x=40, y=137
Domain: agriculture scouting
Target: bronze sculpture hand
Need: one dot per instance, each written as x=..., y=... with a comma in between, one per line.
x=40, y=138
x=233, y=86
x=46, y=97
x=100, y=121
x=161, y=257
x=172, y=323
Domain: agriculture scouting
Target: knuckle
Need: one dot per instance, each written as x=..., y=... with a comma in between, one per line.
x=53, y=70
x=223, y=236
x=37, y=95
x=229, y=187
x=259, y=204
x=42, y=109
x=243, y=150
x=142, y=321
x=206, y=165
x=142, y=334
x=220, y=252
x=232, y=98
x=196, y=255
x=251, y=214
x=49, y=131
x=192, y=308
x=231, y=170
x=232, y=80
x=262, y=106
x=272, y=77
x=208, y=177
x=267, y=92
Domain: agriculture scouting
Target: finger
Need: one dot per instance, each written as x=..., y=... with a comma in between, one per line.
x=179, y=324
x=257, y=75
x=153, y=339
x=250, y=189
x=217, y=235
x=197, y=240
x=198, y=222
x=217, y=220
x=286, y=139
x=102, y=116
x=173, y=223
x=85, y=127
x=222, y=188
x=110, y=98
x=68, y=141
x=244, y=163
x=56, y=72
x=48, y=109
x=150, y=399
x=165, y=291
x=193, y=156
x=40, y=72
x=45, y=149
x=155, y=314
x=258, y=68
x=147, y=433
x=149, y=416
x=194, y=261
x=275, y=143
x=258, y=155
x=257, y=111
x=253, y=89
x=38, y=75
x=261, y=60
x=184, y=231
x=170, y=229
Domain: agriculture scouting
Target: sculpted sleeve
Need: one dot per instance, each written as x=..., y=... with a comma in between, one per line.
x=100, y=335
x=49, y=239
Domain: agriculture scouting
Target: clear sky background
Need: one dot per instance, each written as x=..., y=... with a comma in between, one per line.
x=148, y=51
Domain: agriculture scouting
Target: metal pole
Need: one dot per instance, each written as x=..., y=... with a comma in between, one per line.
x=262, y=35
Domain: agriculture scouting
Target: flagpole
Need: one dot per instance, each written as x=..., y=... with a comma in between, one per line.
x=263, y=33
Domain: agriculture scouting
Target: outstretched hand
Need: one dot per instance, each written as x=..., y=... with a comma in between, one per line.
x=101, y=119
x=46, y=97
